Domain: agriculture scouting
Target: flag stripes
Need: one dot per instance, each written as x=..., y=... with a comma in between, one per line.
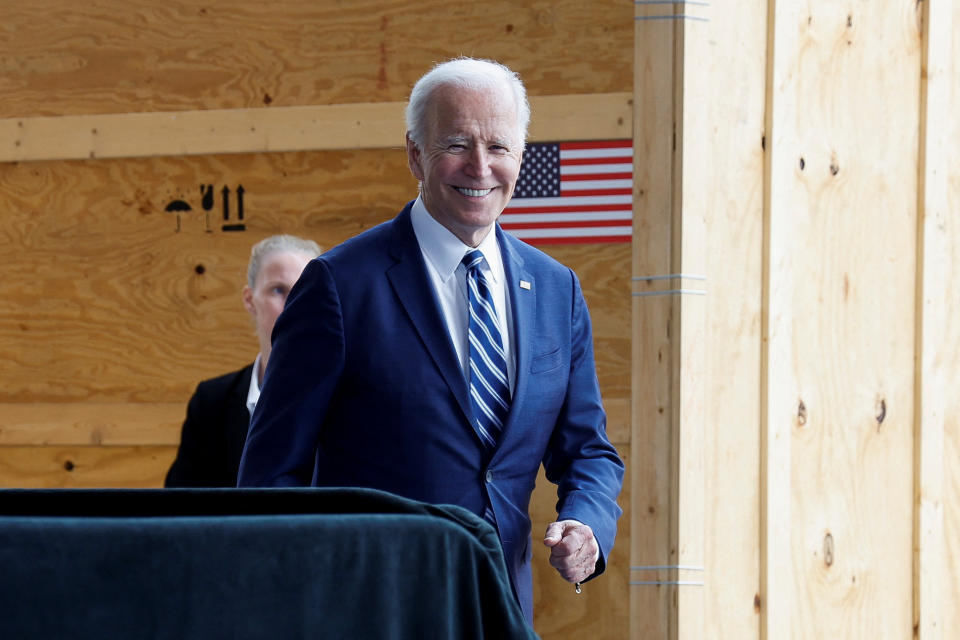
x=573, y=192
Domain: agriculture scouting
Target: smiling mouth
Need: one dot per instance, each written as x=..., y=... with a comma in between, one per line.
x=473, y=193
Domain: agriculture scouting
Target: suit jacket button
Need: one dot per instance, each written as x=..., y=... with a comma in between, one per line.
x=489, y=476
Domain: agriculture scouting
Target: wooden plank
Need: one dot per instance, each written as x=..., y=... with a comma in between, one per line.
x=669, y=325
x=120, y=56
x=778, y=383
x=733, y=71
x=303, y=128
x=598, y=116
x=691, y=208
x=98, y=424
x=652, y=608
x=46, y=467
x=936, y=572
x=840, y=373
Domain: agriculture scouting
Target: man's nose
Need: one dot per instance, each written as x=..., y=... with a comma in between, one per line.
x=479, y=164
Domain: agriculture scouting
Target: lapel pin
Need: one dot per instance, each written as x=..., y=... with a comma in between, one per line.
x=524, y=285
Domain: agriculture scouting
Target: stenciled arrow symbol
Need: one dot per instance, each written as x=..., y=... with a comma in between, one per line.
x=226, y=203
x=240, y=192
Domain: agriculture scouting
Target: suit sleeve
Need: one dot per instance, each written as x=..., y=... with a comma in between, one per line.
x=305, y=364
x=580, y=459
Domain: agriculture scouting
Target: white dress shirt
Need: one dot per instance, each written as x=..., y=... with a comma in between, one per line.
x=253, y=392
x=443, y=251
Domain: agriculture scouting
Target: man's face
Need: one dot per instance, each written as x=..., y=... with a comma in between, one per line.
x=278, y=273
x=470, y=159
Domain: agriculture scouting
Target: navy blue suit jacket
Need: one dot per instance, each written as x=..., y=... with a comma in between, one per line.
x=213, y=433
x=363, y=388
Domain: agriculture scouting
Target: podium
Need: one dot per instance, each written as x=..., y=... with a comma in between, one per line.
x=248, y=563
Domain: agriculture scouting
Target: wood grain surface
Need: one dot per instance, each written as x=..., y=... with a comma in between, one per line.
x=605, y=116
x=141, y=55
x=65, y=467
x=843, y=259
x=106, y=301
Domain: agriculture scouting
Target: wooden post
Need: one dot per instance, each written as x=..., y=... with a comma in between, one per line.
x=936, y=569
x=667, y=546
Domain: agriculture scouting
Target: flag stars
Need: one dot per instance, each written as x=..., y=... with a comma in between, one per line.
x=540, y=172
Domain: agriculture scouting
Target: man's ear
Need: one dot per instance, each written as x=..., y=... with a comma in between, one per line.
x=413, y=159
x=247, y=296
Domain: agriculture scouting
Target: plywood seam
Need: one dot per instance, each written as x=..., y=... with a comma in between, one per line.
x=928, y=477
x=763, y=596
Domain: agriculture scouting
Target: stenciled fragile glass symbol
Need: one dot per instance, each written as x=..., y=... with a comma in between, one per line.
x=207, y=197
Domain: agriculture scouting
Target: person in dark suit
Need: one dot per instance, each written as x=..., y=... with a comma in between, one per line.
x=218, y=414
x=406, y=362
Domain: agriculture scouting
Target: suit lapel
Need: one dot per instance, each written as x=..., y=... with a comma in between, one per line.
x=238, y=417
x=521, y=287
x=408, y=277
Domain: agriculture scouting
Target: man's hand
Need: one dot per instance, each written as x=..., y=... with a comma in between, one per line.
x=573, y=549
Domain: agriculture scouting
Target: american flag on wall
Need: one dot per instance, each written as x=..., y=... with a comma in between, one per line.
x=573, y=192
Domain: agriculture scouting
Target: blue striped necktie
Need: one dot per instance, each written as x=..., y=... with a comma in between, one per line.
x=489, y=390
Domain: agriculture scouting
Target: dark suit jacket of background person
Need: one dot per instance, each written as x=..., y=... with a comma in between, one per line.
x=213, y=434
x=386, y=407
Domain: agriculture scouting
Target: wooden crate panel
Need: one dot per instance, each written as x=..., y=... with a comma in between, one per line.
x=842, y=261
x=84, y=467
x=734, y=189
x=108, y=297
x=106, y=301
x=132, y=56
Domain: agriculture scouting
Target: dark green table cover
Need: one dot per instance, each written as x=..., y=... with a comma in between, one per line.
x=248, y=563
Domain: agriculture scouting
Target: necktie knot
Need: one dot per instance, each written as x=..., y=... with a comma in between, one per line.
x=472, y=259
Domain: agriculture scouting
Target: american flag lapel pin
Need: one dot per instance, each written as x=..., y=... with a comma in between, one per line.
x=524, y=285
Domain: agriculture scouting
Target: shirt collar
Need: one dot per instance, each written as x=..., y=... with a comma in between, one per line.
x=253, y=391
x=444, y=251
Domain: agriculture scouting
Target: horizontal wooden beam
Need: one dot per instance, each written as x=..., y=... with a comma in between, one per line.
x=99, y=424
x=271, y=129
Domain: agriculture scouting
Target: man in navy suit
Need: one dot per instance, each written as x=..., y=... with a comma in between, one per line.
x=373, y=378
x=218, y=414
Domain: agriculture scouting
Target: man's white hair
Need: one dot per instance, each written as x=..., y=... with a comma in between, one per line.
x=277, y=244
x=465, y=73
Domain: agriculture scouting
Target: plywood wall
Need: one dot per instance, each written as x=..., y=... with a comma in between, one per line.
x=830, y=423
x=842, y=248
x=143, y=55
x=113, y=308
